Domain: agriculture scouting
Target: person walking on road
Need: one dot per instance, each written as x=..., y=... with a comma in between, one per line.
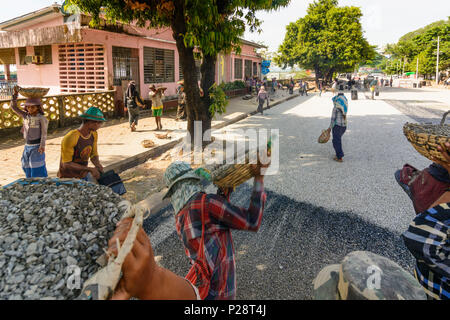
x=334, y=87
x=263, y=95
x=156, y=95
x=305, y=88
x=338, y=124
x=132, y=99
x=374, y=87
x=181, y=111
x=34, y=131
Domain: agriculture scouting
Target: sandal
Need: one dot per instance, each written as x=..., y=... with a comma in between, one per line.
x=338, y=160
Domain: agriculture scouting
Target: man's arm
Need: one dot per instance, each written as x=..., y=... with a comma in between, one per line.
x=142, y=277
x=94, y=155
x=97, y=164
x=333, y=118
x=237, y=217
x=44, y=127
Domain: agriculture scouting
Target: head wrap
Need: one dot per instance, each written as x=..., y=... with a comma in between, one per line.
x=183, y=191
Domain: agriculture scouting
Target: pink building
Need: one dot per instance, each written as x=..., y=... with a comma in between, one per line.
x=61, y=51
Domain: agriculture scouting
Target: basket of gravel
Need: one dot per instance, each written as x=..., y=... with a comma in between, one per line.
x=232, y=175
x=425, y=138
x=53, y=236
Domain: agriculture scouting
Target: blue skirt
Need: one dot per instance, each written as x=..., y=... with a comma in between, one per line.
x=33, y=163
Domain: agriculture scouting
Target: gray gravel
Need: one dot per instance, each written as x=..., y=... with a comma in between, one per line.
x=44, y=229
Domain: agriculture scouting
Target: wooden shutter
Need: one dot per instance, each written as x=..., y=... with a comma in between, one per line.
x=248, y=68
x=237, y=68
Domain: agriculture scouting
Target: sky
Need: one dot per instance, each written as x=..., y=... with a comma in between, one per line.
x=384, y=21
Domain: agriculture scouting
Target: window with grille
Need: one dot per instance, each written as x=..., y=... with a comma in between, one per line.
x=45, y=52
x=22, y=55
x=238, y=68
x=248, y=68
x=159, y=65
x=255, y=68
x=125, y=66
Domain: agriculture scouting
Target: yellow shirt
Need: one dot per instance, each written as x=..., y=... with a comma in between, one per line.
x=78, y=149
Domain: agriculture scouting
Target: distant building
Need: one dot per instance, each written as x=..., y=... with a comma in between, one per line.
x=53, y=49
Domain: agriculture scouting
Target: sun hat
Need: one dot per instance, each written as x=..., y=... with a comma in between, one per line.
x=94, y=114
x=177, y=171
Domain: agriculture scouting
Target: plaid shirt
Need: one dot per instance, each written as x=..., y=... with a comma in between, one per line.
x=337, y=117
x=428, y=239
x=218, y=281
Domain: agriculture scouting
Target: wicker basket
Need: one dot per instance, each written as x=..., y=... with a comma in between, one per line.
x=232, y=176
x=148, y=144
x=33, y=92
x=425, y=138
x=324, y=137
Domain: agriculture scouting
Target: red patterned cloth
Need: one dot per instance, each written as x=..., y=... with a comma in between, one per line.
x=213, y=262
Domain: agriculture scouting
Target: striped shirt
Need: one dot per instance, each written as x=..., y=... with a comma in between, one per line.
x=216, y=273
x=428, y=239
x=34, y=127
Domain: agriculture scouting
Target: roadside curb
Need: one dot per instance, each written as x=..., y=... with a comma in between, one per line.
x=158, y=151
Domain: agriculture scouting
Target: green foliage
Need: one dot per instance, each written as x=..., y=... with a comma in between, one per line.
x=210, y=25
x=328, y=39
x=422, y=44
x=238, y=84
x=218, y=100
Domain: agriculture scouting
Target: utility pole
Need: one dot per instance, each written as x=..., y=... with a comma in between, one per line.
x=437, y=62
x=417, y=69
x=404, y=60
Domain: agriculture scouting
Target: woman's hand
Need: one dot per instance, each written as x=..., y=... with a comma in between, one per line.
x=95, y=173
x=446, y=156
x=258, y=168
x=139, y=266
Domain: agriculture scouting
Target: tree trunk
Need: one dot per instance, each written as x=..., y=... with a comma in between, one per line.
x=194, y=110
x=208, y=71
x=317, y=72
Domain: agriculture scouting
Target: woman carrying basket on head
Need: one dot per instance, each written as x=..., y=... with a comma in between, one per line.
x=35, y=134
x=156, y=95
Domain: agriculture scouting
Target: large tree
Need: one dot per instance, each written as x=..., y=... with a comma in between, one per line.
x=328, y=39
x=421, y=45
x=205, y=27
